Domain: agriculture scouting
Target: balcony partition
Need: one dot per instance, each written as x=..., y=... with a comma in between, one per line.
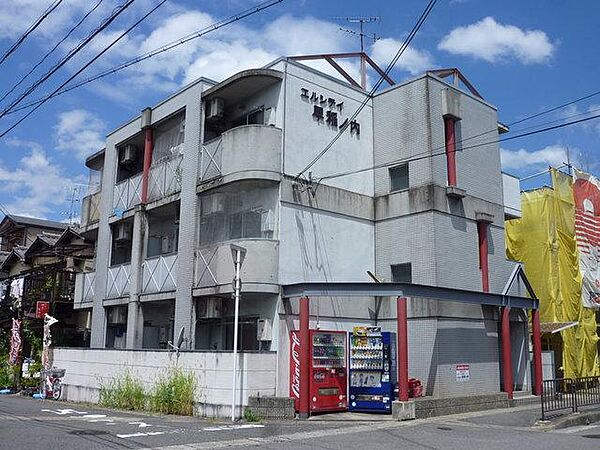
x=159, y=274
x=118, y=280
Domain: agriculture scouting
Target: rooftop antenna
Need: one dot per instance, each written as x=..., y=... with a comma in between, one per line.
x=361, y=20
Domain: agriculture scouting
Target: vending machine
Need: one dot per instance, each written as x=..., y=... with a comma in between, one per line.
x=327, y=370
x=372, y=369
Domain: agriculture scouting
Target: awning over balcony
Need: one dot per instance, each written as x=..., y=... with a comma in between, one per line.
x=243, y=84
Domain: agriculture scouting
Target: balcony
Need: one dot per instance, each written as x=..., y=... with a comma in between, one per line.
x=247, y=151
x=84, y=287
x=159, y=274
x=118, y=281
x=165, y=178
x=90, y=209
x=128, y=193
x=214, y=265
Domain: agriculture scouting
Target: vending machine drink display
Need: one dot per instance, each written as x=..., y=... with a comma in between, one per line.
x=372, y=369
x=328, y=373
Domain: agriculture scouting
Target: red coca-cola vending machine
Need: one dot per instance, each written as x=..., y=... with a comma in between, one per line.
x=328, y=374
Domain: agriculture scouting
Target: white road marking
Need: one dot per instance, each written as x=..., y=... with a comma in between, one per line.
x=64, y=412
x=140, y=424
x=232, y=427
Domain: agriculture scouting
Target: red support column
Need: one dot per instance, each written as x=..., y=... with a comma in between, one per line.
x=148, y=148
x=450, y=129
x=482, y=233
x=402, y=350
x=507, y=372
x=304, y=404
x=537, y=352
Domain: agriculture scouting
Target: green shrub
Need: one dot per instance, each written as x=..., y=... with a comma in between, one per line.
x=174, y=393
x=250, y=416
x=123, y=392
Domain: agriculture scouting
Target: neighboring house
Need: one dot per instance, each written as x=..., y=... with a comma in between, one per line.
x=44, y=271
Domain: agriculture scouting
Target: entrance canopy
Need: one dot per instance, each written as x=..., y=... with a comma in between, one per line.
x=407, y=290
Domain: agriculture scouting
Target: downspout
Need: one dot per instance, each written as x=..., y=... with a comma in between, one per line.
x=146, y=125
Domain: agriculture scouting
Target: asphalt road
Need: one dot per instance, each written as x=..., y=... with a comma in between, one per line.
x=34, y=424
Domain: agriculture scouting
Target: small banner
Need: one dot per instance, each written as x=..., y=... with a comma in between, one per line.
x=16, y=344
x=586, y=193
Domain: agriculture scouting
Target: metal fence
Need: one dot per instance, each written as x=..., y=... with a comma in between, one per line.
x=563, y=394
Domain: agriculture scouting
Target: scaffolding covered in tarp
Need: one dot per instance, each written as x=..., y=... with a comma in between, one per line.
x=544, y=240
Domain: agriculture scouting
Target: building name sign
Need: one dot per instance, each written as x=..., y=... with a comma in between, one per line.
x=328, y=110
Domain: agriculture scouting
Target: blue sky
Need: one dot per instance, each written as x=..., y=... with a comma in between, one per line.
x=523, y=57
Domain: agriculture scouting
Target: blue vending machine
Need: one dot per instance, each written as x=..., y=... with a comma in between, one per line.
x=372, y=370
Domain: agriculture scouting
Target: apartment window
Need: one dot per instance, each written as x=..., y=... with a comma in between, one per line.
x=399, y=178
x=402, y=273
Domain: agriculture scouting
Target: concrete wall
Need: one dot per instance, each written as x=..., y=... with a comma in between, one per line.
x=87, y=370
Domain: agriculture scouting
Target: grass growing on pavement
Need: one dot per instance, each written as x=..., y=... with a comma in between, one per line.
x=174, y=393
x=250, y=416
x=123, y=392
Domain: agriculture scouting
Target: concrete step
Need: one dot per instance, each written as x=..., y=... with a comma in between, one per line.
x=431, y=407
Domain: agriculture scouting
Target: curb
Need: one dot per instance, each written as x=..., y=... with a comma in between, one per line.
x=572, y=420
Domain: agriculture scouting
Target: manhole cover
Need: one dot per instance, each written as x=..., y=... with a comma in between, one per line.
x=444, y=428
x=591, y=436
x=88, y=432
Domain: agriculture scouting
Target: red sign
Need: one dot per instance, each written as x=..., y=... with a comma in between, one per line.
x=295, y=367
x=41, y=309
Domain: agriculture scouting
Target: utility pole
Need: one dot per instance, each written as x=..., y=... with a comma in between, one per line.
x=238, y=253
x=361, y=21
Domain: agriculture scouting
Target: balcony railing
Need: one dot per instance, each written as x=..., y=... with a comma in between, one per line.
x=90, y=209
x=255, y=148
x=165, y=178
x=118, y=281
x=84, y=287
x=128, y=193
x=159, y=274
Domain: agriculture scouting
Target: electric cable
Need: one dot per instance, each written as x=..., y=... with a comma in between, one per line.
x=83, y=43
x=369, y=96
x=424, y=155
x=52, y=50
x=85, y=66
x=176, y=43
x=30, y=30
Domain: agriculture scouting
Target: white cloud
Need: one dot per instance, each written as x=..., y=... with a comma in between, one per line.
x=412, y=61
x=552, y=155
x=79, y=132
x=494, y=42
x=35, y=183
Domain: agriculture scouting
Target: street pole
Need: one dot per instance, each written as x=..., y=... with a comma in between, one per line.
x=238, y=254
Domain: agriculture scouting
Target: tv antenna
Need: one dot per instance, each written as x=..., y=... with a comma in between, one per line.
x=361, y=20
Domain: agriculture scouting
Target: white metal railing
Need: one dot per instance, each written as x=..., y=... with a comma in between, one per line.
x=159, y=274
x=118, y=280
x=211, y=159
x=90, y=209
x=84, y=287
x=165, y=178
x=128, y=193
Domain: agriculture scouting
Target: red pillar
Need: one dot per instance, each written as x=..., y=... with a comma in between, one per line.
x=482, y=232
x=450, y=128
x=537, y=352
x=148, y=148
x=507, y=372
x=402, y=350
x=304, y=404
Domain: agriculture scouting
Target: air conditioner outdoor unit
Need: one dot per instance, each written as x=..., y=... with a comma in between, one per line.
x=215, y=108
x=117, y=315
x=122, y=232
x=127, y=154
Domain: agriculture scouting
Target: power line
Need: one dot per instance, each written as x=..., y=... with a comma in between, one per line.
x=85, y=66
x=105, y=23
x=52, y=50
x=421, y=156
x=176, y=43
x=401, y=50
x=30, y=30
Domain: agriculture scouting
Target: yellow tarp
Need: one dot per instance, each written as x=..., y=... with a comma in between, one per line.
x=544, y=240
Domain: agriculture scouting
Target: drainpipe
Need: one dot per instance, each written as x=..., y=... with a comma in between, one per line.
x=450, y=129
x=482, y=232
x=148, y=148
x=537, y=351
x=402, y=349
